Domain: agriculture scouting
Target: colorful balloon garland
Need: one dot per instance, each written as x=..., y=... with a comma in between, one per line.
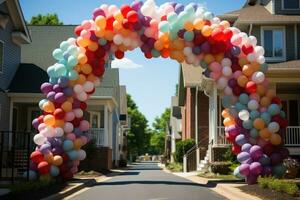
x=252, y=116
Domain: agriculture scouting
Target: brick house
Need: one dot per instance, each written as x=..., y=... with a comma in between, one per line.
x=276, y=25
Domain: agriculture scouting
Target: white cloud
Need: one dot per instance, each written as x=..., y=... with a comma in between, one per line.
x=125, y=63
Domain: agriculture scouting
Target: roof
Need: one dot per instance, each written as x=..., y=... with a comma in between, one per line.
x=294, y=64
x=261, y=16
x=28, y=79
x=21, y=32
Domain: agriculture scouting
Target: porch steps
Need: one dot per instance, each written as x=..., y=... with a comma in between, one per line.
x=203, y=166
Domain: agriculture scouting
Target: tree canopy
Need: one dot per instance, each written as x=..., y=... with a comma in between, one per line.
x=48, y=19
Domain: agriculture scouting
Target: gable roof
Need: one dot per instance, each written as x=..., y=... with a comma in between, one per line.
x=26, y=72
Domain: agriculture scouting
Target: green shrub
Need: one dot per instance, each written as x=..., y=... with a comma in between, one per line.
x=181, y=148
x=233, y=166
x=221, y=167
x=278, y=185
x=229, y=156
x=174, y=167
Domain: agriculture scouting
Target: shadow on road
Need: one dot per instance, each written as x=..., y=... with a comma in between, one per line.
x=150, y=183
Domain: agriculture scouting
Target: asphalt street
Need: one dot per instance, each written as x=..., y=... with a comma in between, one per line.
x=147, y=181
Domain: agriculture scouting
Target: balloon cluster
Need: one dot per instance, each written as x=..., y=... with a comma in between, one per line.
x=252, y=116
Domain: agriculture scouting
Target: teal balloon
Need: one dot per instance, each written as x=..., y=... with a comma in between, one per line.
x=264, y=67
x=226, y=101
x=102, y=41
x=73, y=155
x=274, y=109
x=51, y=71
x=254, y=114
x=244, y=98
x=64, y=45
x=282, y=114
x=248, y=124
x=164, y=26
x=190, y=8
x=54, y=171
x=237, y=174
x=73, y=75
x=57, y=54
x=189, y=36
x=72, y=61
x=279, y=170
x=239, y=107
x=266, y=117
x=172, y=17
x=53, y=80
x=60, y=70
x=254, y=133
x=72, y=50
x=208, y=15
x=68, y=145
x=32, y=175
x=155, y=53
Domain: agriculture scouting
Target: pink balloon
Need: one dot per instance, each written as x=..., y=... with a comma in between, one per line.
x=84, y=125
x=69, y=116
x=215, y=67
x=71, y=136
x=255, y=96
x=84, y=139
x=237, y=74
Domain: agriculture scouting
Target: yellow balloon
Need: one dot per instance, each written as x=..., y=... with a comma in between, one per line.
x=48, y=107
x=49, y=120
x=209, y=58
x=81, y=79
x=49, y=158
x=188, y=26
x=206, y=31
x=93, y=46
x=248, y=70
x=100, y=22
x=59, y=123
x=265, y=101
x=242, y=81
x=77, y=144
x=228, y=121
x=57, y=160
x=118, y=16
x=82, y=59
x=67, y=106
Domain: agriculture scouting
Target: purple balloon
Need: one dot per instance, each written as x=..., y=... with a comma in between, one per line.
x=179, y=8
x=246, y=147
x=60, y=97
x=46, y=88
x=243, y=157
x=145, y=20
x=241, y=139
x=244, y=169
x=235, y=50
x=232, y=82
x=35, y=123
x=50, y=96
x=136, y=6
x=137, y=26
x=68, y=92
x=256, y=152
x=265, y=160
x=275, y=158
x=284, y=152
x=57, y=151
x=196, y=50
x=63, y=81
x=97, y=12
x=255, y=168
x=205, y=47
x=251, y=179
x=45, y=148
x=56, y=88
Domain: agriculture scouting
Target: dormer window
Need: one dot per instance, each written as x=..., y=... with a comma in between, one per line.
x=291, y=4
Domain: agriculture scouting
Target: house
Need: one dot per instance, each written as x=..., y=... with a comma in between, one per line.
x=276, y=25
x=107, y=107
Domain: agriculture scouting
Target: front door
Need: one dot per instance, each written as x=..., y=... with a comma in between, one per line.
x=95, y=119
x=32, y=113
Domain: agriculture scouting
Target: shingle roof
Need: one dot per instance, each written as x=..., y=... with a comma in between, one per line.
x=28, y=79
x=258, y=14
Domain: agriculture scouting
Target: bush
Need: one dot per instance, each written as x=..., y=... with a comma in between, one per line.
x=123, y=163
x=278, y=185
x=221, y=167
x=229, y=156
x=292, y=168
x=181, y=148
x=174, y=167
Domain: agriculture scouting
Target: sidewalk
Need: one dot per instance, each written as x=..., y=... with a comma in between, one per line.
x=226, y=188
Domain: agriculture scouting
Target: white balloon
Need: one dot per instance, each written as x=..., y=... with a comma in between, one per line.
x=118, y=39
x=81, y=154
x=78, y=88
x=78, y=112
x=273, y=127
x=252, y=40
x=187, y=51
x=253, y=104
x=82, y=96
x=226, y=62
x=112, y=9
x=88, y=86
x=59, y=132
x=251, y=57
x=228, y=91
x=244, y=115
x=258, y=77
x=261, y=59
x=68, y=127
x=227, y=71
x=222, y=83
x=39, y=139
x=259, y=50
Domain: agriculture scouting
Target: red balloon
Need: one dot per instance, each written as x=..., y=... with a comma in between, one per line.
x=125, y=9
x=132, y=16
x=100, y=52
x=247, y=49
x=227, y=34
x=83, y=105
x=276, y=100
x=36, y=157
x=236, y=67
x=199, y=39
x=119, y=54
x=43, y=167
x=41, y=119
x=98, y=71
x=236, y=149
x=229, y=137
x=217, y=34
x=78, y=30
x=109, y=23
x=237, y=90
x=251, y=87
x=59, y=113
x=76, y=122
x=164, y=18
x=148, y=55
x=92, y=92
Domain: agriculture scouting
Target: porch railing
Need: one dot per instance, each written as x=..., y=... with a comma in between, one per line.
x=292, y=136
x=221, y=139
x=97, y=134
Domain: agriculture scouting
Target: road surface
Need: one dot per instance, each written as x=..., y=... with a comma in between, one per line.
x=146, y=181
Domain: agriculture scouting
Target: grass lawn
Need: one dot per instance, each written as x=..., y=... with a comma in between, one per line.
x=218, y=176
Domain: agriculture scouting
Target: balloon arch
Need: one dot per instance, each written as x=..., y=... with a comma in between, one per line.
x=252, y=113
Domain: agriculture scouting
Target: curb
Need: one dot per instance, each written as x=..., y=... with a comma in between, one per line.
x=71, y=190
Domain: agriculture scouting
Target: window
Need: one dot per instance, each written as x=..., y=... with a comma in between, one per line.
x=1, y=56
x=291, y=4
x=273, y=40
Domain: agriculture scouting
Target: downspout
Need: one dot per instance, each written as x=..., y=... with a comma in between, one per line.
x=250, y=29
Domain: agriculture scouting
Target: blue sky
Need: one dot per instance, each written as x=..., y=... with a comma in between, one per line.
x=150, y=82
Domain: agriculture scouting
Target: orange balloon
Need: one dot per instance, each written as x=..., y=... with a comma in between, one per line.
x=225, y=24
x=57, y=160
x=81, y=79
x=91, y=77
x=248, y=70
x=83, y=42
x=228, y=121
x=93, y=46
x=48, y=107
x=101, y=22
x=67, y=106
x=243, y=61
x=188, y=26
x=255, y=66
x=265, y=133
x=198, y=24
x=49, y=120
x=260, y=89
x=48, y=157
x=225, y=113
x=77, y=144
x=86, y=69
x=275, y=139
x=209, y=58
x=158, y=45
x=265, y=101
x=99, y=32
x=82, y=59
x=259, y=124
x=108, y=35
x=206, y=31
x=242, y=81
x=219, y=57
x=178, y=44
x=59, y=123
x=271, y=93
x=165, y=53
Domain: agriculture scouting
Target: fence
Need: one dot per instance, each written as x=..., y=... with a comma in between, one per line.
x=292, y=136
x=15, y=149
x=97, y=134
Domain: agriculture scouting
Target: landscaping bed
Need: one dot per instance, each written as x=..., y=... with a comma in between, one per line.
x=218, y=176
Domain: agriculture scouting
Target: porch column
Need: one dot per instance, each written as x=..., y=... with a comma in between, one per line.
x=212, y=119
x=196, y=128
x=105, y=126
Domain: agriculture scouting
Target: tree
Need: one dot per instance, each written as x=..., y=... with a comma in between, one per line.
x=157, y=141
x=48, y=19
x=138, y=136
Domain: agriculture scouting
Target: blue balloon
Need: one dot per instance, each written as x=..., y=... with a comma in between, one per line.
x=57, y=54
x=64, y=45
x=54, y=171
x=254, y=114
x=208, y=15
x=244, y=98
x=265, y=160
x=32, y=175
x=240, y=139
x=68, y=145
x=68, y=92
x=235, y=50
x=63, y=81
x=73, y=155
x=254, y=133
x=239, y=107
x=246, y=147
x=155, y=53
x=282, y=114
x=53, y=80
x=179, y=8
x=266, y=117
x=73, y=75
x=189, y=36
x=274, y=109
x=248, y=124
x=226, y=101
x=60, y=70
